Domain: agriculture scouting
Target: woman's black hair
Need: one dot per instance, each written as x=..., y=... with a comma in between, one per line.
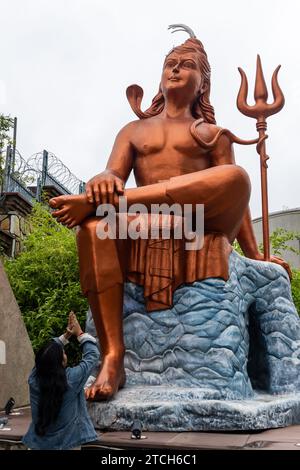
x=52, y=384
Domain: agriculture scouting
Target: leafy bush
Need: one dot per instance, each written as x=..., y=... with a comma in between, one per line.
x=296, y=288
x=279, y=241
x=45, y=279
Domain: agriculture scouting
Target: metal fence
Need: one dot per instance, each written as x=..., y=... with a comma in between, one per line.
x=19, y=177
x=43, y=169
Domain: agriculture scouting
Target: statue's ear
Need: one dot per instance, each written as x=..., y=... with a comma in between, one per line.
x=203, y=88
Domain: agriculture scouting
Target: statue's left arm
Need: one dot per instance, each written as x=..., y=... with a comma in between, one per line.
x=223, y=154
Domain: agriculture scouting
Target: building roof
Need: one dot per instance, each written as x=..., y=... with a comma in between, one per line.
x=280, y=213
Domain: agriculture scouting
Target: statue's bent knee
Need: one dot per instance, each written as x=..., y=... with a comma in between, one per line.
x=242, y=175
x=238, y=183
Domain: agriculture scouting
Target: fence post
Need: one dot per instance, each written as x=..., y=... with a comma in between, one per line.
x=14, y=140
x=8, y=169
x=81, y=187
x=44, y=168
x=38, y=195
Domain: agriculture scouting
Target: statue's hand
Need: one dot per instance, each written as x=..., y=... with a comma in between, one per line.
x=104, y=188
x=284, y=264
x=277, y=260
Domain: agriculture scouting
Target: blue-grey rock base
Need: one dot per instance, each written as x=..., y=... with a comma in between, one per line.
x=226, y=356
x=177, y=409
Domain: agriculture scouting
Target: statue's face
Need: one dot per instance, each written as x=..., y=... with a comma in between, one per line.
x=181, y=71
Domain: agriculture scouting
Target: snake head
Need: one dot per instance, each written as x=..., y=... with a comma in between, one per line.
x=135, y=95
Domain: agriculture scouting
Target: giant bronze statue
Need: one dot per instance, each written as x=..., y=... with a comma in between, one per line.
x=178, y=155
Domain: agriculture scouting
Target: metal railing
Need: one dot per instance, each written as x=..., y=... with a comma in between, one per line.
x=43, y=169
x=55, y=173
x=18, y=175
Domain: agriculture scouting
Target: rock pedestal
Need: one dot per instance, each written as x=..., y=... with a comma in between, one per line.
x=226, y=356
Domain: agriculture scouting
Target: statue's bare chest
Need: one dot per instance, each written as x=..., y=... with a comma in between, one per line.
x=153, y=138
x=165, y=149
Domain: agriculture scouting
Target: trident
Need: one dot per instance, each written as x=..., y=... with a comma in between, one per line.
x=260, y=111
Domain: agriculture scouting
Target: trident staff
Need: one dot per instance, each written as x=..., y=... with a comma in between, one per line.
x=260, y=111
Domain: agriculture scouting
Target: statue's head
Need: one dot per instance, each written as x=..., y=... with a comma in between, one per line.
x=185, y=67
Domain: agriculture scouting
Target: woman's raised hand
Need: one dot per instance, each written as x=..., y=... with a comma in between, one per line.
x=74, y=327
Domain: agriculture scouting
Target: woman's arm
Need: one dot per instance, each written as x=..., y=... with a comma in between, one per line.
x=78, y=375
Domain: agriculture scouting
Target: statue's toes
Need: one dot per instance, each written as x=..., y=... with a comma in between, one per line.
x=100, y=392
x=72, y=224
x=57, y=202
x=53, y=203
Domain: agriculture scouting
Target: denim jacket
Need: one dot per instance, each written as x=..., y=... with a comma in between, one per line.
x=73, y=425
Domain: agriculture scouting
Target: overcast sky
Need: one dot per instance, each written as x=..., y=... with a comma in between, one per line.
x=65, y=66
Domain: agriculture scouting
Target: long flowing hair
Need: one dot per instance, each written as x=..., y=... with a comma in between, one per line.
x=52, y=384
x=201, y=108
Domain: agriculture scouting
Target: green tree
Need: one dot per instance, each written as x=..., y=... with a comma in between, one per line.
x=45, y=279
x=296, y=288
x=279, y=241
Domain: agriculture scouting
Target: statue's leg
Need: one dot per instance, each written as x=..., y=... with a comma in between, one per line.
x=107, y=308
x=224, y=191
x=101, y=273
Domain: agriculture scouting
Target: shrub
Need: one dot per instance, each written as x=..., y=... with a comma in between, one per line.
x=296, y=289
x=45, y=279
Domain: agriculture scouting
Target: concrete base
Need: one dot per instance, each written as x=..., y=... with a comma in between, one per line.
x=176, y=409
x=16, y=355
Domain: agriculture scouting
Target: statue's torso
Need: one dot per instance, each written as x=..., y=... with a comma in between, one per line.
x=165, y=148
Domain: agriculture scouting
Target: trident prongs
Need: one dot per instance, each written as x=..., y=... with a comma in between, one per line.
x=260, y=111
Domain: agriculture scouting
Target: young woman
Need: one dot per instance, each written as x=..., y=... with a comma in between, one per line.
x=60, y=418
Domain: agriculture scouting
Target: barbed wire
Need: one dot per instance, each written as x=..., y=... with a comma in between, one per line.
x=23, y=171
x=58, y=170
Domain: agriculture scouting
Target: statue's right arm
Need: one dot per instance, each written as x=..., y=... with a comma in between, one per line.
x=103, y=187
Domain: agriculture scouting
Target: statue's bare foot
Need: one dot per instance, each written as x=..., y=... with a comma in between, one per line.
x=110, y=379
x=71, y=210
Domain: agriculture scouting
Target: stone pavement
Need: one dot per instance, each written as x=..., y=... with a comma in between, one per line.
x=275, y=439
